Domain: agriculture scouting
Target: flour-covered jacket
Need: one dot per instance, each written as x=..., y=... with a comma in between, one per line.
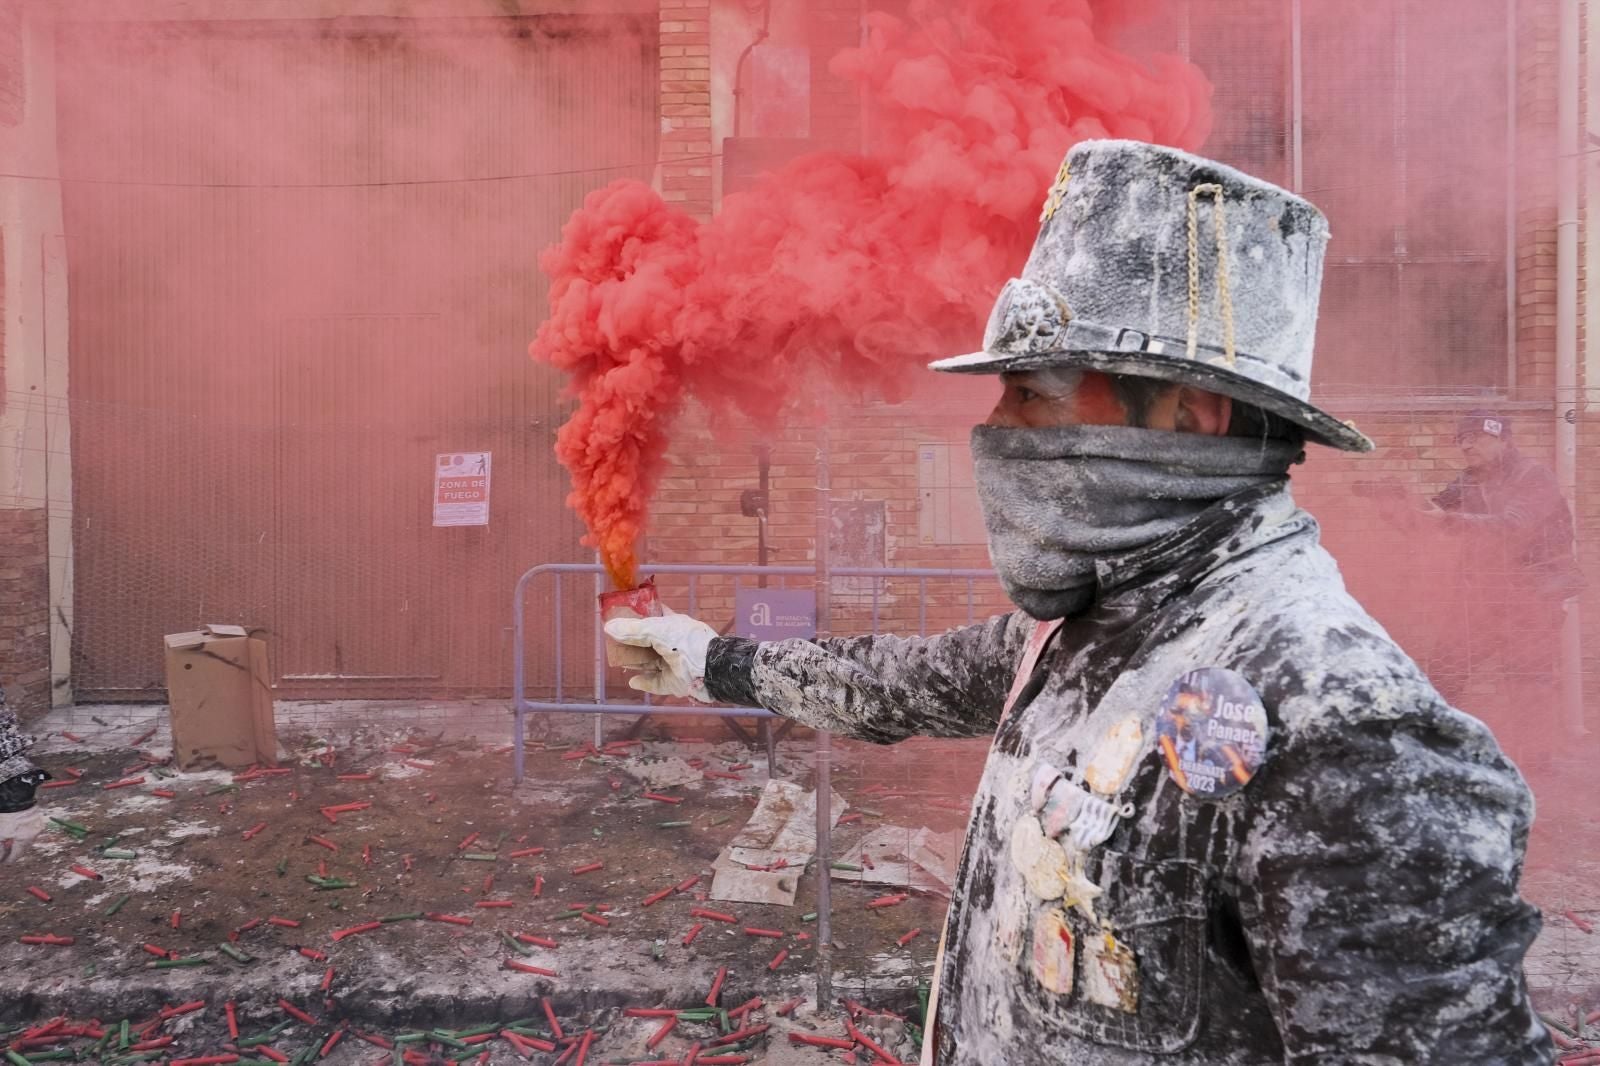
x=1355, y=902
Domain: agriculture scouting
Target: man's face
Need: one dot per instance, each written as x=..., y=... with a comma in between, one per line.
x=1480, y=449
x=1038, y=399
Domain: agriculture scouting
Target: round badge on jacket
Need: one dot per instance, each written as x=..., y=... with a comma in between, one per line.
x=1212, y=731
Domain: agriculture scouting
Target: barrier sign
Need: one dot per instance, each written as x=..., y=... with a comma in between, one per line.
x=775, y=614
x=461, y=489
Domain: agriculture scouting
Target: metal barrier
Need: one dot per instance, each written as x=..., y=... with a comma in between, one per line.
x=599, y=703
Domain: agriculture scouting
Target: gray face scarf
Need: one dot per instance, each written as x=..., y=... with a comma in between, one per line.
x=1059, y=500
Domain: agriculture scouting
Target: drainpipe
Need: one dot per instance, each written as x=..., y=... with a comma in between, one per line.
x=1511, y=198
x=1567, y=400
x=738, y=68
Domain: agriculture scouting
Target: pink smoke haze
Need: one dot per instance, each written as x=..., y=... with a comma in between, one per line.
x=845, y=269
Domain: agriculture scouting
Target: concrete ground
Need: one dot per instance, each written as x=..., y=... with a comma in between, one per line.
x=203, y=860
x=214, y=863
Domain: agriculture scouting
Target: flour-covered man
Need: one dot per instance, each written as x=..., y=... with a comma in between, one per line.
x=20, y=818
x=1224, y=819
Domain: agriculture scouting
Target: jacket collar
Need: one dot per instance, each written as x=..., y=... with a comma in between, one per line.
x=1225, y=531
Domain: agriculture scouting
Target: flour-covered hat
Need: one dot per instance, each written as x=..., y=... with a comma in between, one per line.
x=1157, y=263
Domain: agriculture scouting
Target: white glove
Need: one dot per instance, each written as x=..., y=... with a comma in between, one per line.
x=681, y=644
x=17, y=830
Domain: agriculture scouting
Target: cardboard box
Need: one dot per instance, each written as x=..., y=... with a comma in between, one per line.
x=219, y=691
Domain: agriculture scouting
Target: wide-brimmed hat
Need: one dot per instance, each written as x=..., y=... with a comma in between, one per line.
x=1160, y=264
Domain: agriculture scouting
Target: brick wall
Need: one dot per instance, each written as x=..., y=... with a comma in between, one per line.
x=686, y=105
x=24, y=610
x=24, y=567
x=874, y=449
x=1412, y=586
x=11, y=84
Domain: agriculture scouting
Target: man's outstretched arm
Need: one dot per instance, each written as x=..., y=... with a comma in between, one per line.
x=877, y=688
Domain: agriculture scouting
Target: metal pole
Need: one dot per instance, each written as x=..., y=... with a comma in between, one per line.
x=1511, y=197
x=1296, y=99
x=764, y=487
x=599, y=656
x=518, y=680
x=824, y=746
x=1567, y=400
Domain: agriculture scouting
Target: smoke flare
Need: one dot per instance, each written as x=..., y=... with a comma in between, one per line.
x=849, y=269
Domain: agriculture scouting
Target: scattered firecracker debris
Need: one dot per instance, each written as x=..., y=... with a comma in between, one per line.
x=522, y=967
x=714, y=916
x=394, y=885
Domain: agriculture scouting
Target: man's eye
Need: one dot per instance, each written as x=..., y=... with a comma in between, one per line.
x=1025, y=395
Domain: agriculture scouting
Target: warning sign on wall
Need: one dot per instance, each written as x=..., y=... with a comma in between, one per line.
x=461, y=489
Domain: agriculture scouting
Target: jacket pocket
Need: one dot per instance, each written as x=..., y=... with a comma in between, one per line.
x=1157, y=911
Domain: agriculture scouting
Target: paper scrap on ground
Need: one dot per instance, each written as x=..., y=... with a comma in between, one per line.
x=783, y=829
x=659, y=773
x=918, y=859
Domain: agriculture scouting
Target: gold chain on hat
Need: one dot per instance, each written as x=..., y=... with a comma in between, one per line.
x=1224, y=294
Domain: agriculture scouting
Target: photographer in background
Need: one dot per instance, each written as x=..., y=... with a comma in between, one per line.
x=1517, y=571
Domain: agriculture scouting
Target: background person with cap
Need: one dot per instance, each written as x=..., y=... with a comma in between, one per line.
x=1518, y=572
x=1224, y=819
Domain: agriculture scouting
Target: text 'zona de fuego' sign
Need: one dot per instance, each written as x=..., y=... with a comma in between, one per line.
x=461, y=489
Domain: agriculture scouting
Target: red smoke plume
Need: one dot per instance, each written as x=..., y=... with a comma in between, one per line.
x=839, y=268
